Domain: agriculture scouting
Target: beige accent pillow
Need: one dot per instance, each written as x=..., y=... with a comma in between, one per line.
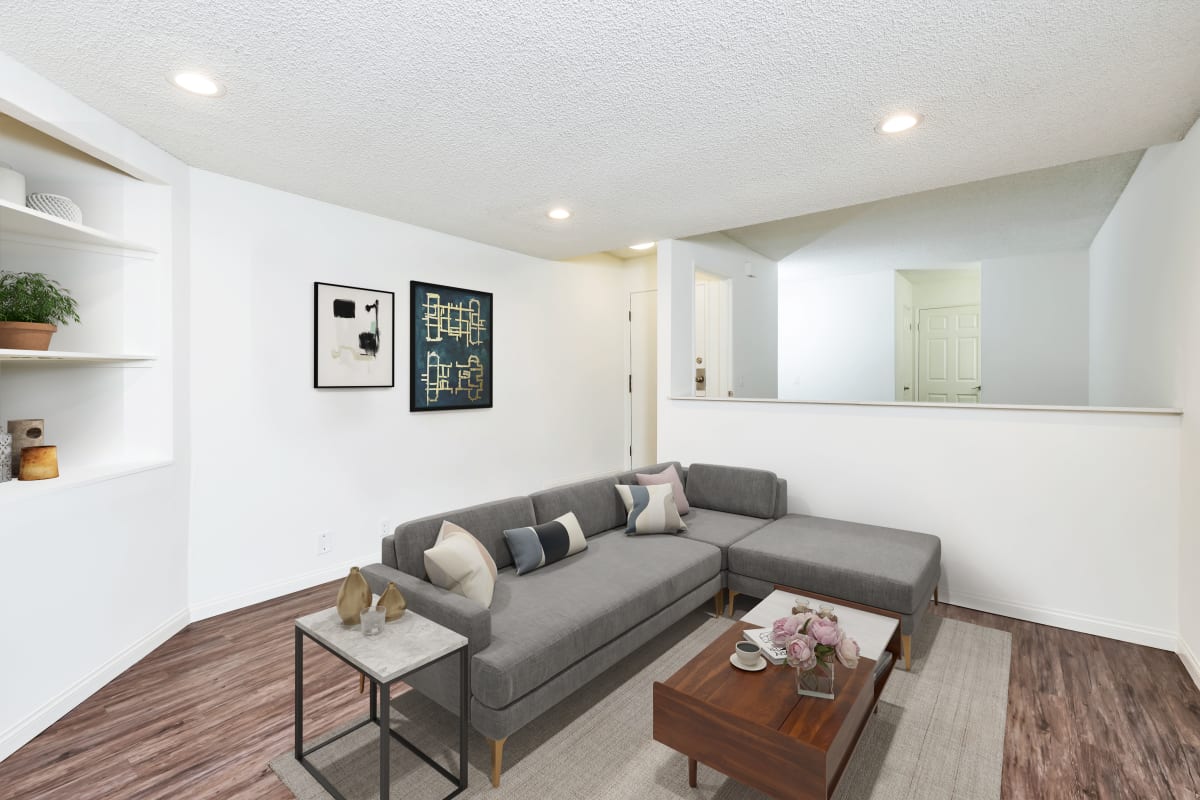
x=459, y=563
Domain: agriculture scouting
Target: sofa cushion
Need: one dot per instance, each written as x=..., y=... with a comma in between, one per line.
x=536, y=546
x=735, y=490
x=720, y=529
x=883, y=567
x=458, y=563
x=594, y=502
x=630, y=477
x=651, y=509
x=547, y=620
x=669, y=476
x=486, y=522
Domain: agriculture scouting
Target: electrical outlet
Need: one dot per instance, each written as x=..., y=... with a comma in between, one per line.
x=324, y=542
x=385, y=527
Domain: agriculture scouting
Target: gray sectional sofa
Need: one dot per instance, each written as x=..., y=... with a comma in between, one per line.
x=551, y=631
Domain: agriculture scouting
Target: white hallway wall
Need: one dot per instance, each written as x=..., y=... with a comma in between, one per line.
x=276, y=461
x=1035, y=329
x=836, y=335
x=1066, y=518
x=1152, y=321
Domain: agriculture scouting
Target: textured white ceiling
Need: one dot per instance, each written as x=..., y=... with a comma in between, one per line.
x=654, y=119
x=1044, y=211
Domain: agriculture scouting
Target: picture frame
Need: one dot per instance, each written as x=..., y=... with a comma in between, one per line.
x=450, y=347
x=354, y=337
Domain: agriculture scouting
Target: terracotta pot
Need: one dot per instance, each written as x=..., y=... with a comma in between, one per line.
x=26, y=335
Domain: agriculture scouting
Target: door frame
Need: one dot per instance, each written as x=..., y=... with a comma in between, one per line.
x=628, y=452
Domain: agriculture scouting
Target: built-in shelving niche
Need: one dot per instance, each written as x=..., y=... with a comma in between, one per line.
x=104, y=389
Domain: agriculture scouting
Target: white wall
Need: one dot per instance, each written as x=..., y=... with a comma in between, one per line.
x=1067, y=518
x=1146, y=329
x=836, y=336
x=1035, y=329
x=106, y=560
x=275, y=461
x=755, y=309
x=937, y=288
x=1138, y=264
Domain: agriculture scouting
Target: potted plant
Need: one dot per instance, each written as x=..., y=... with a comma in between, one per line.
x=32, y=306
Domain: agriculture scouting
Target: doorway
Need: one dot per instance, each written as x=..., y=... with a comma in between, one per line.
x=642, y=407
x=948, y=355
x=713, y=327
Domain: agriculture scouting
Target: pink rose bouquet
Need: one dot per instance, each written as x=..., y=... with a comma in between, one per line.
x=809, y=638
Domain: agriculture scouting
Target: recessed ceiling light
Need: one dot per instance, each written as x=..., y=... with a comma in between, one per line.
x=558, y=213
x=198, y=83
x=899, y=122
x=642, y=246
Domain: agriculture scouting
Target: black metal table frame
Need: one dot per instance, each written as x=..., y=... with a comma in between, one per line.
x=381, y=694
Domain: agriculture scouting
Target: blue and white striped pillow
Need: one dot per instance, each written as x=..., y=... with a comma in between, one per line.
x=651, y=509
x=538, y=545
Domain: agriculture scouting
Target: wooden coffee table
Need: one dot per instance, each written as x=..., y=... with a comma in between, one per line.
x=753, y=727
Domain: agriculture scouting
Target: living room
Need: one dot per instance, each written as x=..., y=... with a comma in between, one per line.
x=213, y=487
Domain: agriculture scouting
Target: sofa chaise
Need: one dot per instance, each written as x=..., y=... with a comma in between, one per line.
x=550, y=631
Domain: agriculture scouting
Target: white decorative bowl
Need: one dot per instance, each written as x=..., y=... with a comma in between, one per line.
x=56, y=205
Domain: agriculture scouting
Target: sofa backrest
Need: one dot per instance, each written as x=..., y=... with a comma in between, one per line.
x=736, y=490
x=486, y=522
x=596, y=504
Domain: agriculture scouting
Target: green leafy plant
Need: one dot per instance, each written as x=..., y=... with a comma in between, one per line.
x=32, y=297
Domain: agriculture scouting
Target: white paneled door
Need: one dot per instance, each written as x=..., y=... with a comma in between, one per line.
x=948, y=350
x=643, y=378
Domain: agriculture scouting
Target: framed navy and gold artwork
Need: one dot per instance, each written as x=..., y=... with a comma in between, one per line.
x=451, y=338
x=354, y=337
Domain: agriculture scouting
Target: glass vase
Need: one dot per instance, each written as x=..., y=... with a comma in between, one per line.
x=816, y=682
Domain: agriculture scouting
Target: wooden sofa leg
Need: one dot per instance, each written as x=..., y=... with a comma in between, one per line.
x=906, y=647
x=497, y=759
x=732, y=595
x=935, y=597
x=719, y=602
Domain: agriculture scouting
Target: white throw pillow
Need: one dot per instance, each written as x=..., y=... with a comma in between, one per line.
x=459, y=563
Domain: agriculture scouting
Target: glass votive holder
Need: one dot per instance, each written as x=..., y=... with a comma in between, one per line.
x=372, y=621
x=800, y=606
x=825, y=610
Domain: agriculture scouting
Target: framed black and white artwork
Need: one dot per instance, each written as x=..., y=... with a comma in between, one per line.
x=450, y=333
x=354, y=337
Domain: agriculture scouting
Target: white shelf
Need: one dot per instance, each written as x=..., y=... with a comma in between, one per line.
x=16, y=491
x=19, y=221
x=50, y=356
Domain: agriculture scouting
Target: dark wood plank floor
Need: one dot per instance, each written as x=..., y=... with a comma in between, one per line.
x=201, y=716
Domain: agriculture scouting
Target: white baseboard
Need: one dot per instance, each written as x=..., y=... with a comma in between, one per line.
x=1190, y=661
x=1160, y=638
x=25, y=730
x=269, y=591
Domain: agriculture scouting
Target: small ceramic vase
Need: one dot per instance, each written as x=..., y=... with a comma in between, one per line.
x=392, y=602
x=6, y=451
x=353, y=597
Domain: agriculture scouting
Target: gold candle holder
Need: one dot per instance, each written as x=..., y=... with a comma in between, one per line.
x=39, y=463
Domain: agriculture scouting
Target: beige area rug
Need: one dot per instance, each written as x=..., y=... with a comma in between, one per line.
x=939, y=733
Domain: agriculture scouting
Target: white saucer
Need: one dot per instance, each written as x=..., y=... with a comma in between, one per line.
x=762, y=663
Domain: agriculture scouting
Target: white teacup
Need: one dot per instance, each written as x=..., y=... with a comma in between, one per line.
x=747, y=653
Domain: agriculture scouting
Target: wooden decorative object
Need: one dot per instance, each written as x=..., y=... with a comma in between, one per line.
x=25, y=433
x=392, y=602
x=39, y=463
x=353, y=596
